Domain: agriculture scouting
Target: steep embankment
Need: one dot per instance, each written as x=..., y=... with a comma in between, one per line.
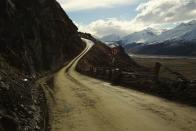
x=36, y=36
x=101, y=56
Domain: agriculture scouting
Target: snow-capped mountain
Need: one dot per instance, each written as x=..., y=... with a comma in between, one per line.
x=179, y=41
x=111, y=38
x=190, y=36
x=140, y=37
x=185, y=31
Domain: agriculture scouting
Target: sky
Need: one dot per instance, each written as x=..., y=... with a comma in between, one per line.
x=122, y=17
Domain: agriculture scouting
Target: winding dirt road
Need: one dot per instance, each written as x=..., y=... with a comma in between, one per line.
x=81, y=103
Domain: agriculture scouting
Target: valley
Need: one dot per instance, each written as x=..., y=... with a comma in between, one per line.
x=183, y=65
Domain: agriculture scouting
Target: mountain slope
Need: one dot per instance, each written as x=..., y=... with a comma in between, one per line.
x=36, y=37
x=139, y=37
x=178, y=33
x=172, y=48
x=101, y=56
x=180, y=41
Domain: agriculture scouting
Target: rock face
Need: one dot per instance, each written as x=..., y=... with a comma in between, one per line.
x=35, y=36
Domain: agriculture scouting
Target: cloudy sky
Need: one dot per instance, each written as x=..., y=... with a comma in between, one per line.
x=121, y=17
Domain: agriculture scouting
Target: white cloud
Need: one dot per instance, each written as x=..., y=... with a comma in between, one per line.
x=153, y=13
x=166, y=11
x=76, y=5
x=109, y=26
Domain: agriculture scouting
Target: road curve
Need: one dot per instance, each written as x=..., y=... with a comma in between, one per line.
x=81, y=103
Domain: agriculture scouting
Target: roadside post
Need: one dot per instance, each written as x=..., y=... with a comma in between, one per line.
x=114, y=53
x=115, y=72
x=157, y=70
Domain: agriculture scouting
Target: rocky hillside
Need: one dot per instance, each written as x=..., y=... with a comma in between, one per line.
x=36, y=36
x=101, y=56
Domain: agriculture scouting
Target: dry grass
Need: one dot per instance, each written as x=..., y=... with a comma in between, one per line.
x=187, y=67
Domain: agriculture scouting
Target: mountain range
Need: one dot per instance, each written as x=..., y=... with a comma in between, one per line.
x=180, y=41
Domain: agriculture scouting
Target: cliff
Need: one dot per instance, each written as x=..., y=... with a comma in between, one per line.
x=36, y=36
